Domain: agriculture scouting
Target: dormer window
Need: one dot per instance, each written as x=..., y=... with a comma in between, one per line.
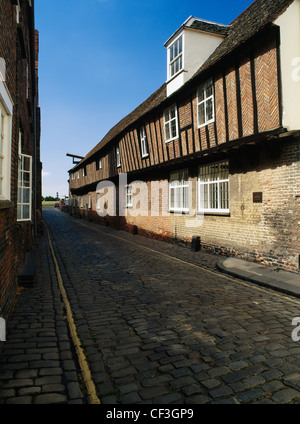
x=176, y=57
x=189, y=48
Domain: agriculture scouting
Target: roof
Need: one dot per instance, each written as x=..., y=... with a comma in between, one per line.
x=255, y=18
x=211, y=27
x=200, y=25
x=154, y=100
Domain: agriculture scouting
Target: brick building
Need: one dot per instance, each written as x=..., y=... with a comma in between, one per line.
x=20, y=167
x=214, y=152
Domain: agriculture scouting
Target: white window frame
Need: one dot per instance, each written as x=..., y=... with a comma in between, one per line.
x=98, y=204
x=24, y=185
x=78, y=175
x=179, y=184
x=176, y=56
x=18, y=11
x=6, y=112
x=205, y=100
x=90, y=201
x=129, y=202
x=169, y=121
x=84, y=172
x=100, y=163
x=213, y=188
x=118, y=156
x=144, y=142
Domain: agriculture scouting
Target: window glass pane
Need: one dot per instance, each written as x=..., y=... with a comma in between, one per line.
x=201, y=114
x=167, y=131
x=25, y=196
x=209, y=90
x=26, y=212
x=213, y=192
x=174, y=128
x=209, y=110
x=176, y=49
x=172, y=197
x=173, y=113
x=19, y=212
x=201, y=95
x=186, y=198
x=26, y=164
x=26, y=179
x=180, y=44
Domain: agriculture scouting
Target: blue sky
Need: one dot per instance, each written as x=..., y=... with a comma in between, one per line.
x=99, y=59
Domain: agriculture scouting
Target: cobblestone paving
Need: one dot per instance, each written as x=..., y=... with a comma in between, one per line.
x=37, y=363
x=154, y=330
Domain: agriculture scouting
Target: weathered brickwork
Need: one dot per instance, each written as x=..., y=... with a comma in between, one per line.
x=19, y=49
x=267, y=231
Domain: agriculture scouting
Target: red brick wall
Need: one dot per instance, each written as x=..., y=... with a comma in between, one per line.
x=16, y=238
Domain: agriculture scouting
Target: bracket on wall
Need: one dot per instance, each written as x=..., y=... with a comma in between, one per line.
x=75, y=157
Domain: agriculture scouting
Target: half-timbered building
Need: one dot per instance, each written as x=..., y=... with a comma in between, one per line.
x=214, y=152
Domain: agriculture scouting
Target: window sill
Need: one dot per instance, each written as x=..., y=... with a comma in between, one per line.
x=175, y=75
x=213, y=213
x=180, y=212
x=145, y=156
x=206, y=124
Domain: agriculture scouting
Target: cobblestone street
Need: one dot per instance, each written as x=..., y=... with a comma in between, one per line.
x=158, y=324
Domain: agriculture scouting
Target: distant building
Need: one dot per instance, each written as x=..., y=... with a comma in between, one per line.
x=20, y=167
x=222, y=134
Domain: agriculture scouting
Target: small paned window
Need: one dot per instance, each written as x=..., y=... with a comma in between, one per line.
x=144, y=142
x=213, y=187
x=24, y=188
x=98, y=164
x=129, y=196
x=118, y=157
x=205, y=100
x=175, y=57
x=171, y=123
x=179, y=191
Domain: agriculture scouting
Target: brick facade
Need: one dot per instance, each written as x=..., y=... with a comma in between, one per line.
x=19, y=49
